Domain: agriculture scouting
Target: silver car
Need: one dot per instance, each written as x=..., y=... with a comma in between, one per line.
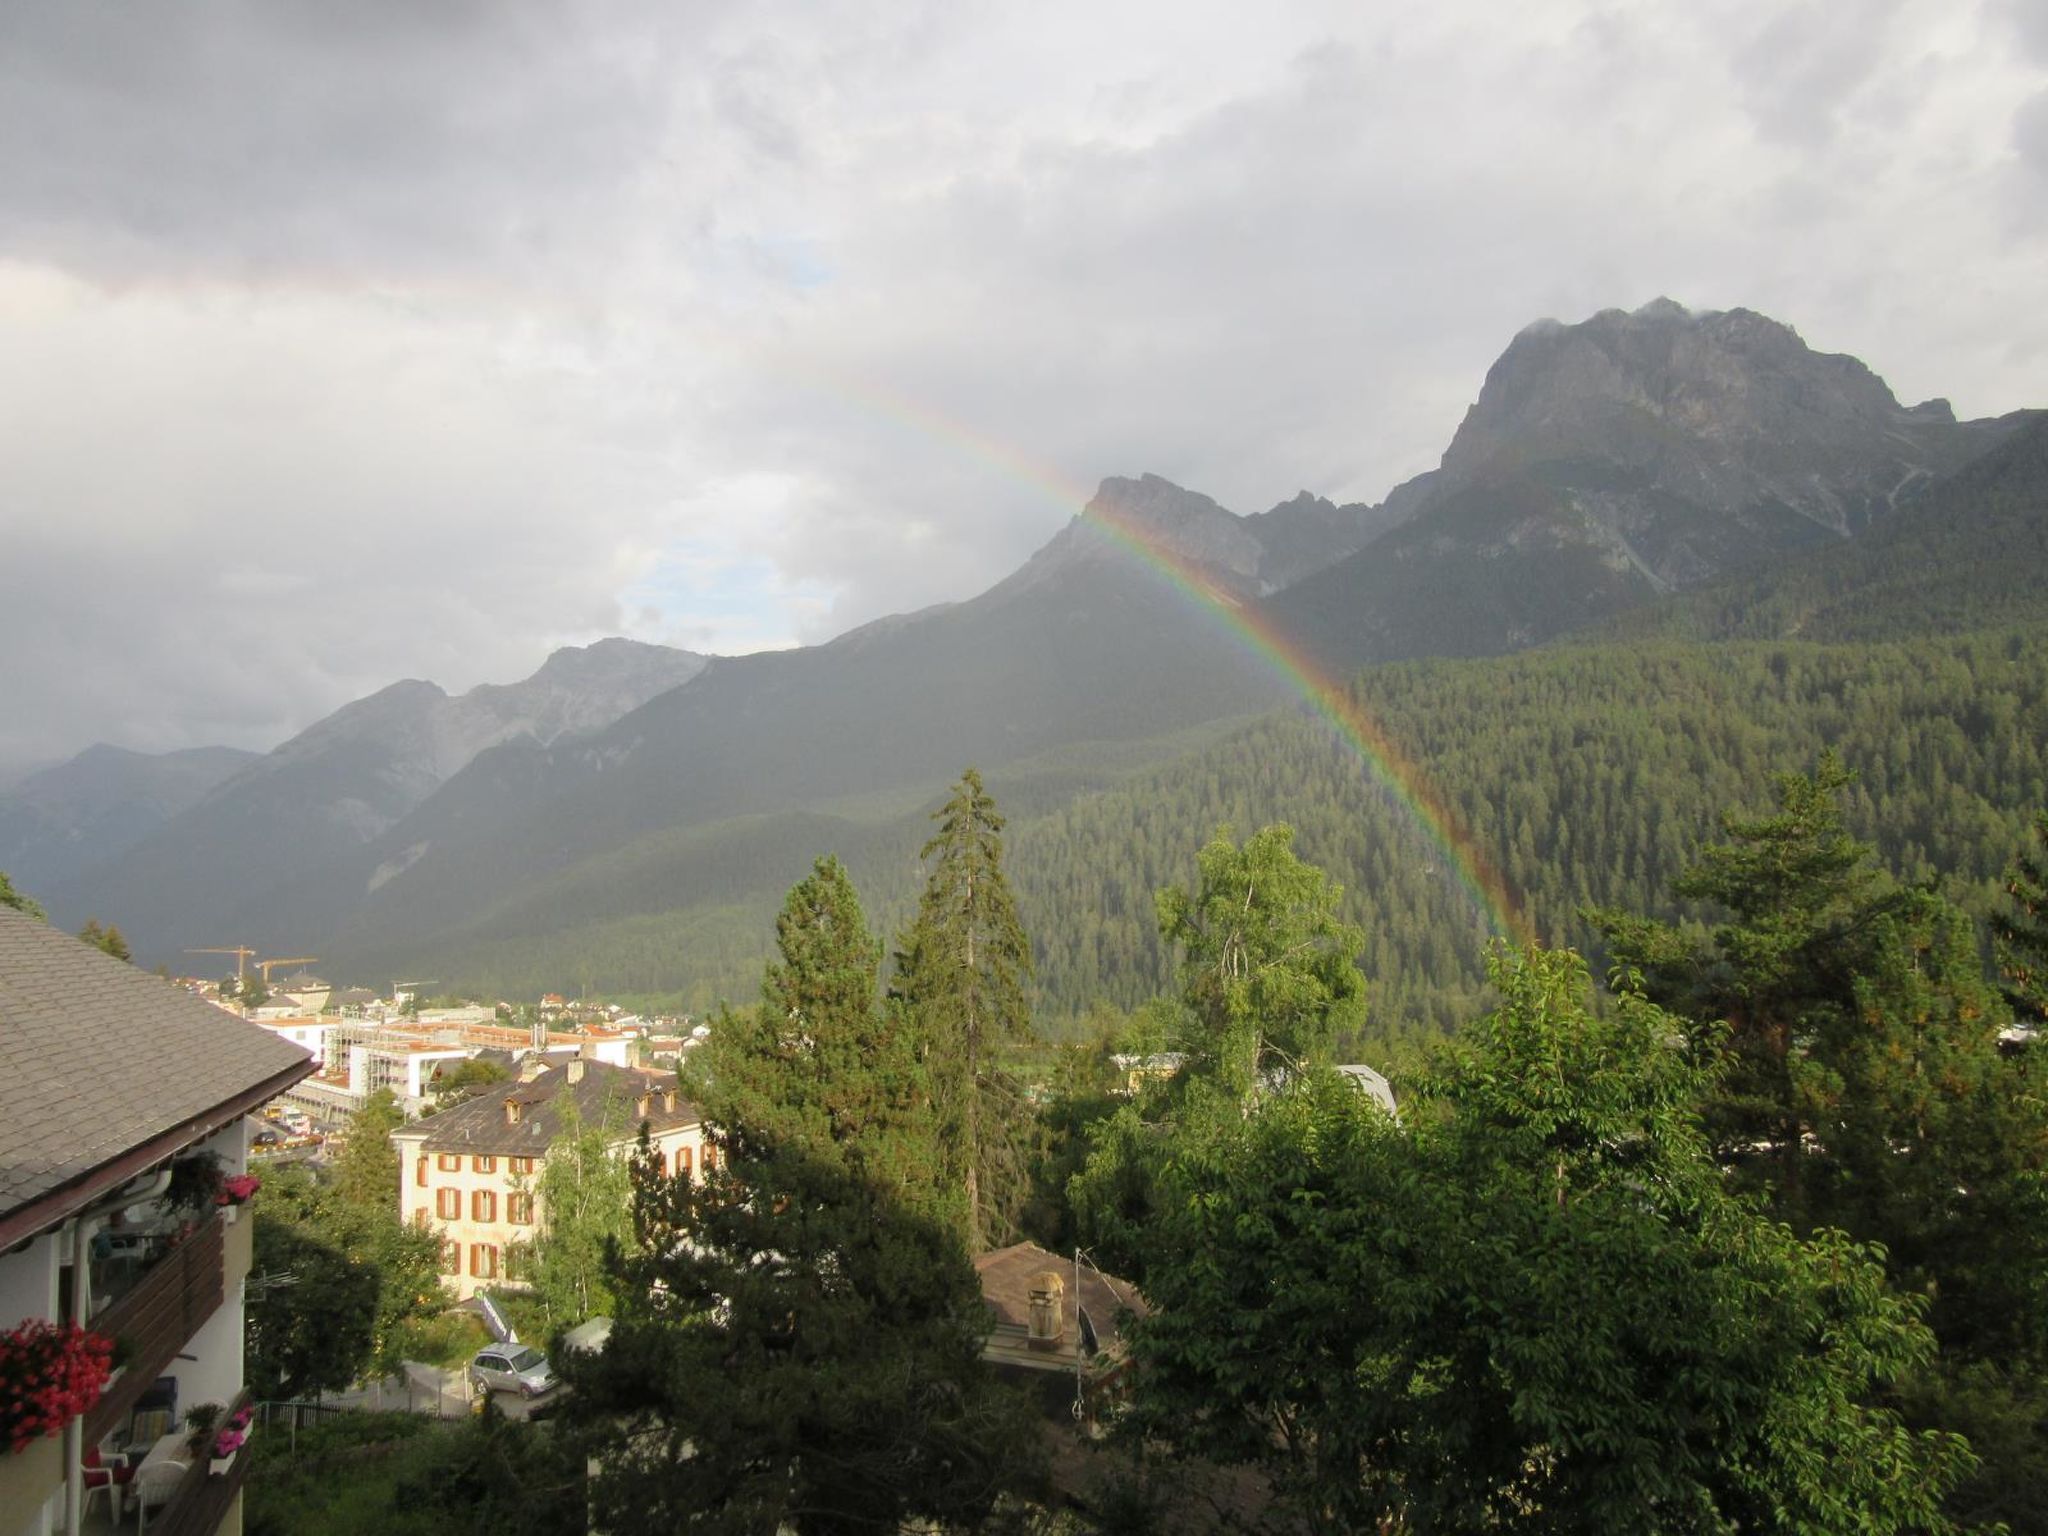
x=512, y=1368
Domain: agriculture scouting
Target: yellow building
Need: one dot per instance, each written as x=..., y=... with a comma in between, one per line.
x=472, y=1173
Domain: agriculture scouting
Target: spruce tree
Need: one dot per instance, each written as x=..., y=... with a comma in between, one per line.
x=963, y=981
x=2022, y=932
x=798, y=1336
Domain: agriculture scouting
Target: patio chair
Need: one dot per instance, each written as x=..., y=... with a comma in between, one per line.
x=155, y=1483
x=107, y=1473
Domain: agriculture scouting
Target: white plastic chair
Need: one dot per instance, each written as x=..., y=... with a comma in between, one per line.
x=154, y=1484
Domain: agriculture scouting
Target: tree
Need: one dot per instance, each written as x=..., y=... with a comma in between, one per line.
x=963, y=978
x=1529, y=1303
x=466, y=1081
x=1804, y=903
x=10, y=897
x=359, y=1275
x=1269, y=979
x=820, y=1070
x=584, y=1195
x=313, y=1309
x=358, y=1213
x=2022, y=931
x=1269, y=972
x=109, y=939
x=798, y=1335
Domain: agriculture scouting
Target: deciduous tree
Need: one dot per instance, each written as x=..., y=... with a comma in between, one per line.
x=1529, y=1304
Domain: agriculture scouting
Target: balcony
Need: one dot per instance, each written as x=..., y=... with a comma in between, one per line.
x=158, y=1315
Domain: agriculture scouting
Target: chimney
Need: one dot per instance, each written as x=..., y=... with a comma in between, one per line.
x=537, y=1038
x=575, y=1070
x=1048, y=1316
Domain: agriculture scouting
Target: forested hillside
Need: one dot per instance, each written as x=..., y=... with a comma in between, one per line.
x=1586, y=773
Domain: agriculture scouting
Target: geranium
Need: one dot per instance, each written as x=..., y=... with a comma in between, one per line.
x=237, y=1190
x=233, y=1435
x=50, y=1373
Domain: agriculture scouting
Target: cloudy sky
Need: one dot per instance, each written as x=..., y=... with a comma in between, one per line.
x=344, y=343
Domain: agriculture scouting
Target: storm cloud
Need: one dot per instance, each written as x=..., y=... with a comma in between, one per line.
x=343, y=344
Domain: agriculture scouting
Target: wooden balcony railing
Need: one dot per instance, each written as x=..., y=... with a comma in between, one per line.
x=205, y=1496
x=159, y=1317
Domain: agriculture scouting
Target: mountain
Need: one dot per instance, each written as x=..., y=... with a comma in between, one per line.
x=1604, y=466
x=1972, y=553
x=87, y=812
x=1609, y=463
x=341, y=782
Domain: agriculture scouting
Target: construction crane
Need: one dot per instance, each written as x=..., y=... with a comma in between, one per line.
x=265, y=965
x=241, y=952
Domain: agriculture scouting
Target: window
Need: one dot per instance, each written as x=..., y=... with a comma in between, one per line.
x=518, y=1261
x=451, y=1257
x=483, y=1205
x=449, y=1162
x=419, y=1215
x=483, y=1260
x=710, y=1157
x=522, y=1165
x=419, y=1171
x=519, y=1209
x=682, y=1162
x=661, y=1164
x=484, y=1164
x=448, y=1204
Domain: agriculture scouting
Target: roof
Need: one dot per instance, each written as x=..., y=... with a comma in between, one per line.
x=479, y=1124
x=99, y=1060
x=1006, y=1276
x=1372, y=1084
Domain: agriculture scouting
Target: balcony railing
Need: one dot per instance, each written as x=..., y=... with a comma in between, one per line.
x=158, y=1318
x=204, y=1496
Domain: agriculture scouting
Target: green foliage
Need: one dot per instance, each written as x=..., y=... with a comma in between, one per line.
x=397, y=1474
x=352, y=1216
x=798, y=1330
x=1268, y=982
x=466, y=1081
x=1531, y=1303
x=1269, y=972
x=316, y=1333
x=963, y=978
x=584, y=1193
x=820, y=1070
x=10, y=897
x=2022, y=931
x=108, y=939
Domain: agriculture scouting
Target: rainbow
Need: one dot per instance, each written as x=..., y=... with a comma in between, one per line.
x=1395, y=771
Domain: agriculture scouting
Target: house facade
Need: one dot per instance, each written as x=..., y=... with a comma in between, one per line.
x=123, y=1105
x=472, y=1174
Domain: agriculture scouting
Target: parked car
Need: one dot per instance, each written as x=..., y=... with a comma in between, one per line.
x=512, y=1367
x=266, y=1138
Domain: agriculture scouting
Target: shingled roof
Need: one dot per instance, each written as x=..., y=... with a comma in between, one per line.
x=481, y=1124
x=106, y=1070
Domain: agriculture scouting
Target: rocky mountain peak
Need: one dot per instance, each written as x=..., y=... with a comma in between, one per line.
x=1728, y=409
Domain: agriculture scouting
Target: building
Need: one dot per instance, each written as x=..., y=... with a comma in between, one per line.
x=119, y=1097
x=405, y=1057
x=472, y=1173
x=1057, y=1326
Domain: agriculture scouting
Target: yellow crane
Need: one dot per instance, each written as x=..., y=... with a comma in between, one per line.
x=241, y=952
x=265, y=965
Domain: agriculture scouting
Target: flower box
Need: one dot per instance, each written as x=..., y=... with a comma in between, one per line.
x=50, y=1373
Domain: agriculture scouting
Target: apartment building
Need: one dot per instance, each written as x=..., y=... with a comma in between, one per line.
x=119, y=1094
x=473, y=1173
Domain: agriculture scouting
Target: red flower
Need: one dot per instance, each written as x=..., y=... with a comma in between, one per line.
x=49, y=1374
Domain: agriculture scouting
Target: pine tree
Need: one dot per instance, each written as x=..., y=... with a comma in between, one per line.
x=2022, y=932
x=963, y=980
x=820, y=1070
x=798, y=1335
x=10, y=897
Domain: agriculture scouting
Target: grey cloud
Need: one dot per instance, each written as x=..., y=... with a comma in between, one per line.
x=472, y=310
